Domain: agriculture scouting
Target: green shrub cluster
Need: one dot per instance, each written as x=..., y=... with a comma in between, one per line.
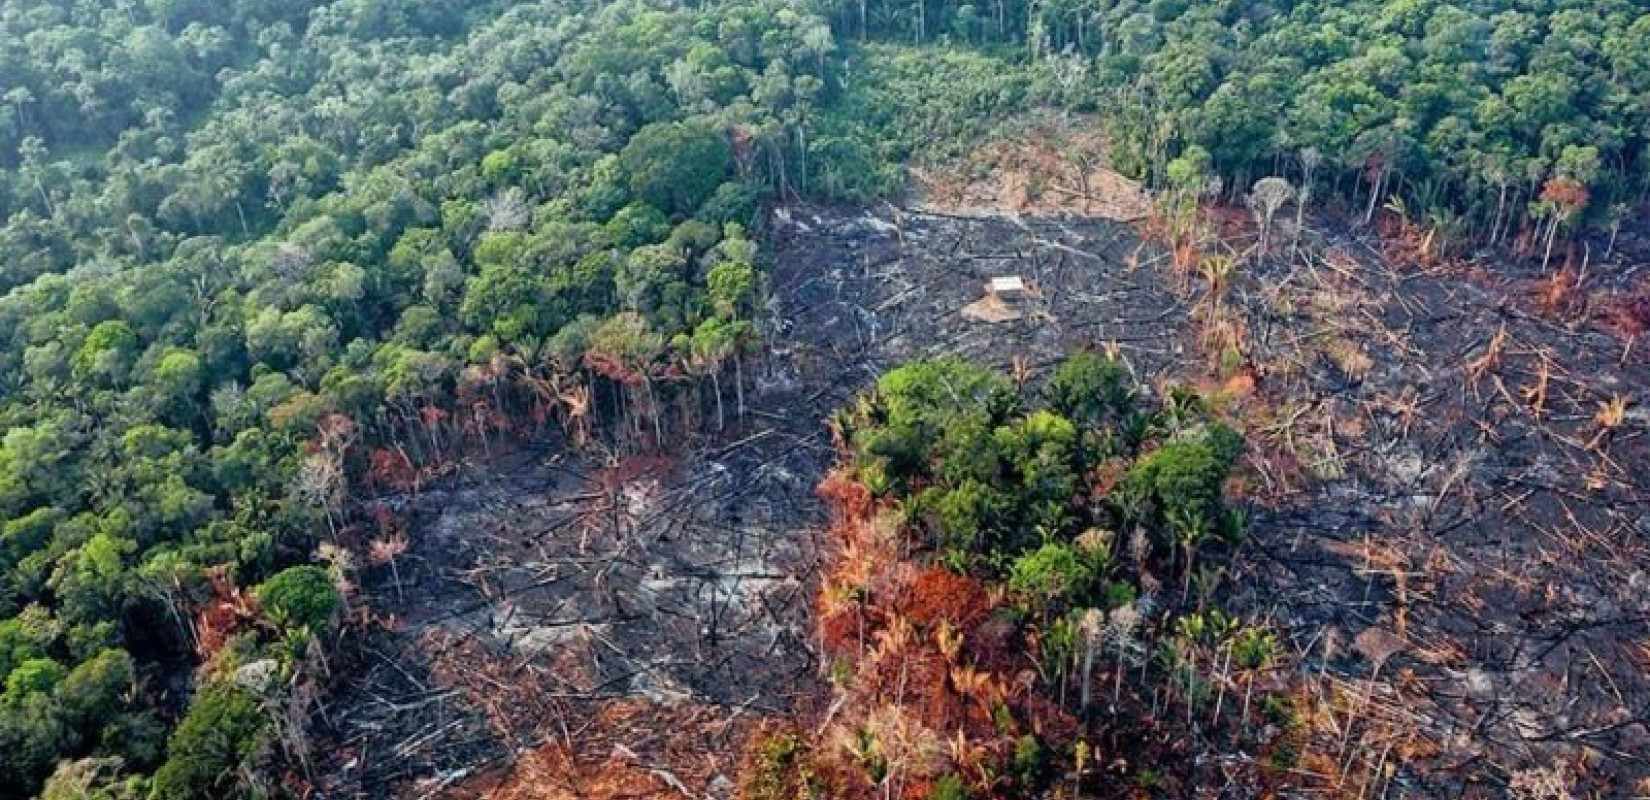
x=1044, y=489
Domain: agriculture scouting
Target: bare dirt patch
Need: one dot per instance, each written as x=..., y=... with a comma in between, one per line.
x=1049, y=165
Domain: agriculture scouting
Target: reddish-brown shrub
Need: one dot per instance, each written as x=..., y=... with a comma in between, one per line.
x=849, y=501
x=391, y=468
x=227, y=613
x=1566, y=194
x=935, y=704
x=890, y=586
x=840, y=632
x=938, y=594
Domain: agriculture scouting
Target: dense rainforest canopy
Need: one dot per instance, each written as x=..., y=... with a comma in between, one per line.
x=1473, y=109
x=242, y=238
x=258, y=254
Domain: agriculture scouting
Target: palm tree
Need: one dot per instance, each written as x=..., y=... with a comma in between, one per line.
x=1190, y=528
x=385, y=551
x=1255, y=649
x=1269, y=195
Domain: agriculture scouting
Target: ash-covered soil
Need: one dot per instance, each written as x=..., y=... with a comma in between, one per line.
x=856, y=293
x=542, y=592
x=1453, y=548
x=1474, y=530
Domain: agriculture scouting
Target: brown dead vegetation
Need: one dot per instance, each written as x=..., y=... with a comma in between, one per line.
x=1048, y=166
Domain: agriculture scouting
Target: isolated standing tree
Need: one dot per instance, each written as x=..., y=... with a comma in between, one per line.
x=1562, y=200
x=731, y=287
x=319, y=484
x=1188, y=174
x=386, y=551
x=1311, y=159
x=1499, y=176
x=1564, y=197
x=1265, y=199
x=1093, y=629
x=675, y=166
x=707, y=348
x=1217, y=269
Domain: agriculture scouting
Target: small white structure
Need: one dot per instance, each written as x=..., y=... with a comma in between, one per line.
x=1008, y=288
x=1005, y=300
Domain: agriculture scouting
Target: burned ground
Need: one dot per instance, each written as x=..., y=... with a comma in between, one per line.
x=1445, y=531
x=632, y=623
x=552, y=604
x=1475, y=528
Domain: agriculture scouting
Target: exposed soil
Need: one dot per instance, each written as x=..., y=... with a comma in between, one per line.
x=570, y=631
x=1048, y=164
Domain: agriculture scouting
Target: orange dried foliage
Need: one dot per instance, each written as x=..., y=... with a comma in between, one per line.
x=1106, y=476
x=938, y=594
x=890, y=584
x=612, y=369
x=937, y=706
x=918, y=680
x=1558, y=292
x=213, y=627
x=1565, y=193
x=1241, y=385
x=918, y=789
x=849, y=501
x=226, y=614
x=391, y=468
x=1187, y=257
x=840, y=632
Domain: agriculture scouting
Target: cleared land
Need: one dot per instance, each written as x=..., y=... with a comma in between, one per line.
x=1450, y=523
